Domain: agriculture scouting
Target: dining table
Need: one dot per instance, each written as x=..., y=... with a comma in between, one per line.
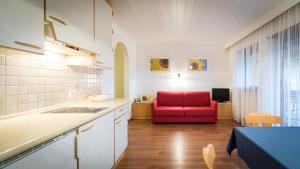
x=267, y=147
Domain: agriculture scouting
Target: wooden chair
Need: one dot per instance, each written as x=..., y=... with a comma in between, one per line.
x=254, y=114
x=209, y=155
x=256, y=120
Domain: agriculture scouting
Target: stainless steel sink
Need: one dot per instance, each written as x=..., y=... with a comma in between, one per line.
x=77, y=110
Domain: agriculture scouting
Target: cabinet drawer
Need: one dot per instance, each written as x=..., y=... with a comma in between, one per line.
x=120, y=111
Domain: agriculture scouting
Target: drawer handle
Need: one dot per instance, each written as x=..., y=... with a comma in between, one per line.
x=87, y=129
x=76, y=148
x=27, y=44
x=58, y=20
x=118, y=121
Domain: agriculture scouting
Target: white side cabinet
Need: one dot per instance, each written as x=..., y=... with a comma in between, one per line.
x=60, y=155
x=96, y=143
x=22, y=25
x=121, y=135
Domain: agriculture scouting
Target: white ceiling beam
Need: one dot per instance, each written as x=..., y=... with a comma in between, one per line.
x=279, y=9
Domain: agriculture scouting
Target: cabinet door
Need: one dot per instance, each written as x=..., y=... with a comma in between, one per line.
x=75, y=14
x=96, y=143
x=22, y=25
x=121, y=136
x=73, y=21
x=103, y=22
x=60, y=154
x=103, y=32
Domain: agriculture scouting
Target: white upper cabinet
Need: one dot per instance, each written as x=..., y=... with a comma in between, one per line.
x=72, y=21
x=22, y=25
x=103, y=32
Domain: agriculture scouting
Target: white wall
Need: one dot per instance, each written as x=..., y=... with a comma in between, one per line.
x=120, y=36
x=108, y=76
x=151, y=82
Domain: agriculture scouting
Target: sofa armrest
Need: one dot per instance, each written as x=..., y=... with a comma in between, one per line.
x=154, y=104
x=153, y=108
x=214, y=105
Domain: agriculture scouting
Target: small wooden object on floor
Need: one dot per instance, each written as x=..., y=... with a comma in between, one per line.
x=141, y=110
x=209, y=155
x=225, y=110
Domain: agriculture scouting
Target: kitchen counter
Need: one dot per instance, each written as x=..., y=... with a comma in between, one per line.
x=20, y=133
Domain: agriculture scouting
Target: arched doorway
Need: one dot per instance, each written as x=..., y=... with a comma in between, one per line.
x=121, y=85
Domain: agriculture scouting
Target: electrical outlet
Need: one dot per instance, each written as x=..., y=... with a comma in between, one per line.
x=71, y=93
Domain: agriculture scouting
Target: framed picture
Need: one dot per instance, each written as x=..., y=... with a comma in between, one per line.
x=159, y=64
x=197, y=65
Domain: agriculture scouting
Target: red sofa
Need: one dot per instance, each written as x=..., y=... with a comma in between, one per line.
x=187, y=107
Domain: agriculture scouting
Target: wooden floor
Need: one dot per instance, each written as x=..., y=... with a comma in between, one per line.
x=177, y=146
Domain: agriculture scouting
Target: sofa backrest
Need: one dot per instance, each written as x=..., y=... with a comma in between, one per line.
x=169, y=98
x=196, y=98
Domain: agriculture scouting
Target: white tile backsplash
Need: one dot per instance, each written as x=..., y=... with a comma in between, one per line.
x=22, y=80
x=11, y=109
x=29, y=81
x=33, y=97
x=2, y=59
x=23, y=89
x=2, y=80
x=23, y=61
x=11, y=80
x=23, y=107
x=2, y=70
x=2, y=90
x=11, y=100
x=22, y=99
x=23, y=71
x=11, y=60
x=11, y=70
x=11, y=90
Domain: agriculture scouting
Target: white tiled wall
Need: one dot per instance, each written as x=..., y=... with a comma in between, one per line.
x=29, y=81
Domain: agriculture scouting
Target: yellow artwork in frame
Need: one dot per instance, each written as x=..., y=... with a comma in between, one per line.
x=197, y=65
x=159, y=64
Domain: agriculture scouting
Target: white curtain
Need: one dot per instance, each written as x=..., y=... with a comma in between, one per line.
x=266, y=70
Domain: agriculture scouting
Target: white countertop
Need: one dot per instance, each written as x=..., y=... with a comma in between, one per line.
x=20, y=133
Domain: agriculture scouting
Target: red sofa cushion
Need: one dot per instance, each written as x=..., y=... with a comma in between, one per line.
x=169, y=111
x=196, y=98
x=170, y=98
x=198, y=111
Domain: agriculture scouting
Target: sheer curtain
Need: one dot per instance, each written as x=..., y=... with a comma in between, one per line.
x=266, y=70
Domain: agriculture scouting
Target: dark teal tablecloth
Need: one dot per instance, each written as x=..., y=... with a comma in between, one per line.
x=267, y=148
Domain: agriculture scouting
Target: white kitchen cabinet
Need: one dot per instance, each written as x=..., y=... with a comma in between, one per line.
x=103, y=22
x=103, y=32
x=96, y=143
x=60, y=155
x=90, y=61
x=121, y=135
x=22, y=25
x=72, y=21
x=121, y=111
x=106, y=58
